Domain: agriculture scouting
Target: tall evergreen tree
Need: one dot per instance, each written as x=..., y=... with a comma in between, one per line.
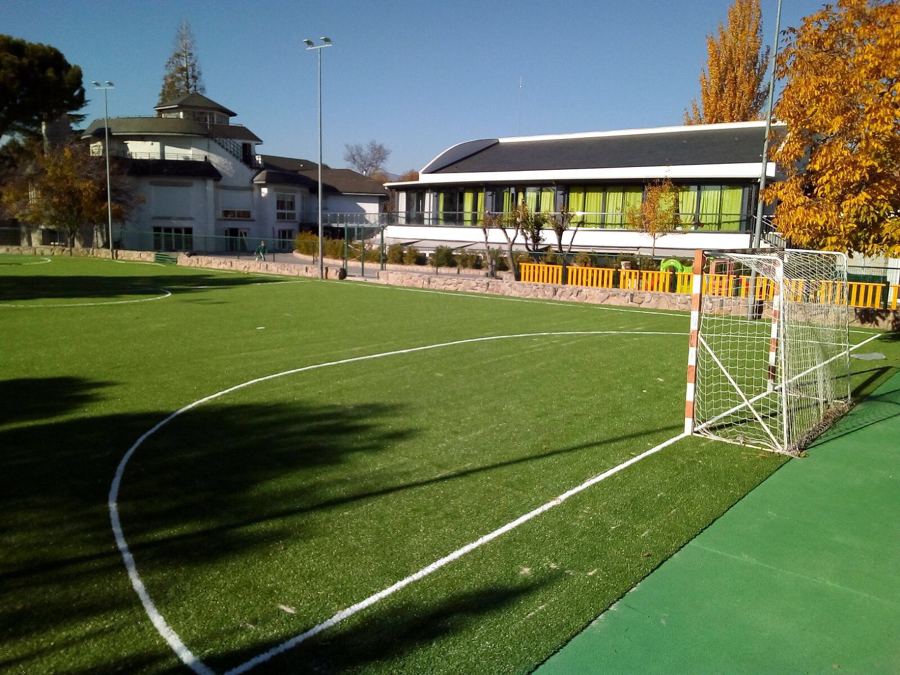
x=732, y=87
x=182, y=74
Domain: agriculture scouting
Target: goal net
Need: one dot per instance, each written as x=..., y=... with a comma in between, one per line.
x=769, y=363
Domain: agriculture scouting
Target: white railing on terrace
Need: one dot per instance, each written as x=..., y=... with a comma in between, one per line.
x=726, y=222
x=180, y=156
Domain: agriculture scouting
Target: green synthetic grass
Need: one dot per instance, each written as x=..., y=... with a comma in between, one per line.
x=258, y=515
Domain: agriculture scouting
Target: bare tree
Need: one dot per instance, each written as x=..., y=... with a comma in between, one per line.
x=367, y=159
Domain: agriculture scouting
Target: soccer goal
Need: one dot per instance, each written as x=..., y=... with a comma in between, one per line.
x=768, y=365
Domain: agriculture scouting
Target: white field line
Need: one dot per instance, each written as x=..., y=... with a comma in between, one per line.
x=437, y=564
x=137, y=262
x=166, y=294
x=172, y=638
x=42, y=261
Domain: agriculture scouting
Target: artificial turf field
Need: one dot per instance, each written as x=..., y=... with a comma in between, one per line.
x=397, y=435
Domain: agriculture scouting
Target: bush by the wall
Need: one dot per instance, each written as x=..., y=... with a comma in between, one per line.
x=395, y=254
x=443, y=257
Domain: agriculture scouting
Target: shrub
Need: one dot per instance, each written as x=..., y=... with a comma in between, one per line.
x=306, y=243
x=395, y=254
x=501, y=264
x=469, y=260
x=411, y=256
x=443, y=257
x=583, y=259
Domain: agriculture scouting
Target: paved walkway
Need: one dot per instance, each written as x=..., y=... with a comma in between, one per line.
x=801, y=576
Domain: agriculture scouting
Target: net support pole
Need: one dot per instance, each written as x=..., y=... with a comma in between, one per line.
x=773, y=340
x=694, y=344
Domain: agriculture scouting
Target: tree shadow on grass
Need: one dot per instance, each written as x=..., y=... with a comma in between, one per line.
x=386, y=633
x=34, y=398
x=216, y=486
x=74, y=287
x=60, y=572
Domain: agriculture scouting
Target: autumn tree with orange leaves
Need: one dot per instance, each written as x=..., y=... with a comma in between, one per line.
x=841, y=103
x=65, y=188
x=731, y=87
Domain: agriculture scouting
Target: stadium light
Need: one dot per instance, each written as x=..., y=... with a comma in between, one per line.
x=105, y=87
x=310, y=45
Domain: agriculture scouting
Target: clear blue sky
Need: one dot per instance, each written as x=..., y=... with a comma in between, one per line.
x=417, y=76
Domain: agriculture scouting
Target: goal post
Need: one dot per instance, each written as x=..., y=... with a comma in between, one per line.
x=768, y=360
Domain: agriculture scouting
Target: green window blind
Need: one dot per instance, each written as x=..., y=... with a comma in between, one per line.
x=576, y=203
x=732, y=198
x=615, y=203
x=593, y=205
x=548, y=200
x=687, y=205
x=468, y=206
x=710, y=199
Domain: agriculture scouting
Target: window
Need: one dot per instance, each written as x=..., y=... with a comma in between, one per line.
x=173, y=238
x=603, y=206
x=236, y=214
x=415, y=207
x=285, y=206
x=284, y=239
x=449, y=206
x=236, y=238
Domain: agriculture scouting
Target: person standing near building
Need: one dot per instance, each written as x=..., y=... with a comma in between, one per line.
x=260, y=252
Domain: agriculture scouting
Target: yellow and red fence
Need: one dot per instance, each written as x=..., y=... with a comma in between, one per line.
x=859, y=294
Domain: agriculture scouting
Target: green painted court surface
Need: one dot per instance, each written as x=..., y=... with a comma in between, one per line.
x=356, y=435
x=801, y=576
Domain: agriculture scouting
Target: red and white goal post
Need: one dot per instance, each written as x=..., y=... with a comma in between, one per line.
x=768, y=361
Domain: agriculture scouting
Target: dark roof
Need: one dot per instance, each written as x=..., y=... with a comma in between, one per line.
x=276, y=177
x=195, y=101
x=175, y=126
x=709, y=144
x=347, y=181
x=289, y=163
x=235, y=131
x=172, y=167
x=295, y=171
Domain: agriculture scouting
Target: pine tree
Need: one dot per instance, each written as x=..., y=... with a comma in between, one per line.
x=731, y=87
x=182, y=74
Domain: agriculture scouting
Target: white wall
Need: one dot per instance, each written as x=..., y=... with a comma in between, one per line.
x=687, y=241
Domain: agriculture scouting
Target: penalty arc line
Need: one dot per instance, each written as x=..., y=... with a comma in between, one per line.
x=166, y=293
x=168, y=633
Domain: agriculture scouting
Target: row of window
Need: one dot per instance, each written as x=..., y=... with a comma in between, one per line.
x=285, y=209
x=717, y=207
x=182, y=239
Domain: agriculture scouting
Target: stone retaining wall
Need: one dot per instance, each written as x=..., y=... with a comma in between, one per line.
x=49, y=251
x=447, y=280
x=518, y=289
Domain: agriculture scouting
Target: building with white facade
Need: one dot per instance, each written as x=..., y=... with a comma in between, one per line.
x=596, y=176
x=202, y=185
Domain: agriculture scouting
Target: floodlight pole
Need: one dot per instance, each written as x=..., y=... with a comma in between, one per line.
x=105, y=87
x=310, y=45
x=757, y=230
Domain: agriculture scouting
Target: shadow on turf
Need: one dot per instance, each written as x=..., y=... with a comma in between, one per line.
x=38, y=287
x=34, y=398
x=60, y=572
x=192, y=497
x=386, y=634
